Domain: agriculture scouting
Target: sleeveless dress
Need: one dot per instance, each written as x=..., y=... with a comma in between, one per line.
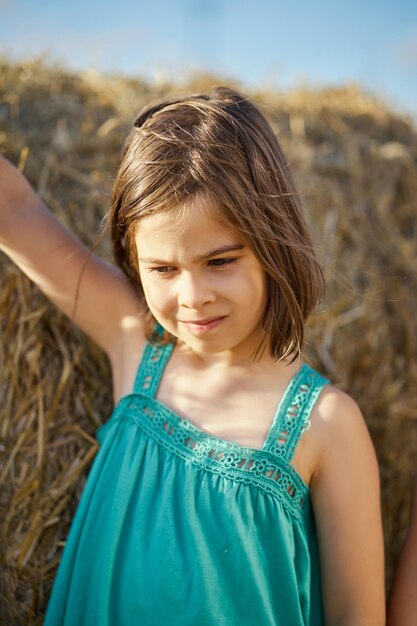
x=176, y=526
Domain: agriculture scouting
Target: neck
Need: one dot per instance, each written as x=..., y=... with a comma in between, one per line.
x=237, y=360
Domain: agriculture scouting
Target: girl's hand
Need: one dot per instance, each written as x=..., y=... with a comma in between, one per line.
x=346, y=501
x=94, y=294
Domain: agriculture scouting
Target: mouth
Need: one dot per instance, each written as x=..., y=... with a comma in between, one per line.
x=206, y=321
x=201, y=326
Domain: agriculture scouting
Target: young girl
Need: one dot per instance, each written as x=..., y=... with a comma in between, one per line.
x=233, y=484
x=403, y=599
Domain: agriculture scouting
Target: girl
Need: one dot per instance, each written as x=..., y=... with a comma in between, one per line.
x=233, y=484
x=403, y=599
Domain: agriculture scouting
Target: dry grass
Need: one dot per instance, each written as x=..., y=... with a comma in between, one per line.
x=355, y=163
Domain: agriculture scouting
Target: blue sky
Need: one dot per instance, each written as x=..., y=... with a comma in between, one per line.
x=256, y=42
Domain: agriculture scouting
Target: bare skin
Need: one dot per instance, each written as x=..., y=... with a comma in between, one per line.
x=335, y=457
x=402, y=608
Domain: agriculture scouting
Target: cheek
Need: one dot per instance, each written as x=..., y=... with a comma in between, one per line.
x=157, y=295
x=254, y=286
x=258, y=302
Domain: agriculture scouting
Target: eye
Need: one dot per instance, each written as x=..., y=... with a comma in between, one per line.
x=164, y=269
x=223, y=262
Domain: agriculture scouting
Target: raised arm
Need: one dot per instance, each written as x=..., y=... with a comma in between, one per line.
x=62, y=267
x=346, y=501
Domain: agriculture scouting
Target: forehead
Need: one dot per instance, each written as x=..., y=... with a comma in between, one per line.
x=192, y=228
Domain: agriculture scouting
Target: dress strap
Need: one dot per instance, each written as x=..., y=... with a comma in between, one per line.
x=294, y=411
x=151, y=367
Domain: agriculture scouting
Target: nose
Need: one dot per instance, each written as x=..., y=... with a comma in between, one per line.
x=194, y=291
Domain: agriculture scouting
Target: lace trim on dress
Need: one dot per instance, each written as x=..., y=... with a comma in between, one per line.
x=294, y=413
x=268, y=468
x=249, y=465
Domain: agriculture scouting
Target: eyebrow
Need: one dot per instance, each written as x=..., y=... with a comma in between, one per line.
x=202, y=257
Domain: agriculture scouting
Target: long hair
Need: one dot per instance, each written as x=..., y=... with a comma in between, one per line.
x=220, y=144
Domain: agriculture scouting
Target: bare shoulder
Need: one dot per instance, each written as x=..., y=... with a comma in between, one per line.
x=339, y=434
x=336, y=412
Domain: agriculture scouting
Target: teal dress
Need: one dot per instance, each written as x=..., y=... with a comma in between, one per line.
x=177, y=527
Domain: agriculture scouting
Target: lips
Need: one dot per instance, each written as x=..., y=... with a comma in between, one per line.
x=202, y=322
x=203, y=327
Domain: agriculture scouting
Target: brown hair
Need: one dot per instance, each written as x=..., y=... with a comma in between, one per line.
x=221, y=145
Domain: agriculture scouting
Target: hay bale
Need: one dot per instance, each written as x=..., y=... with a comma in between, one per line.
x=355, y=164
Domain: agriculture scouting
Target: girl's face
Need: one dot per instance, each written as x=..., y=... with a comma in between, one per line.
x=201, y=281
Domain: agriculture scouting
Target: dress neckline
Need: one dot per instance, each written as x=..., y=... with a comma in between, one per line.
x=287, y=423
x=234, y=444
x=269, y=467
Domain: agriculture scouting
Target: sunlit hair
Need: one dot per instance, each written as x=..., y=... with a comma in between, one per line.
x=219, y=145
